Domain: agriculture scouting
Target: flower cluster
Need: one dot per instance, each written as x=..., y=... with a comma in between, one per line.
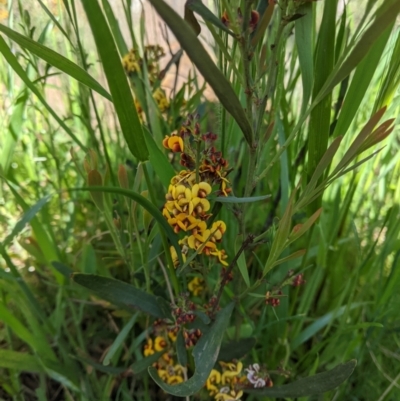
x=168, y=369
x=228, y=384
x=187, y=207
x=196, y=286
x=133, y=63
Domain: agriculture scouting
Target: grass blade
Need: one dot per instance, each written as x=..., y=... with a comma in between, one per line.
x=117, y=81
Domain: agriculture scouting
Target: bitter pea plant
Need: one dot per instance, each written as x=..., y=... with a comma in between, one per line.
x=222, y=218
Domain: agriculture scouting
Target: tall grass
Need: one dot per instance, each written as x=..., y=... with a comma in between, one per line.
x=84, y=177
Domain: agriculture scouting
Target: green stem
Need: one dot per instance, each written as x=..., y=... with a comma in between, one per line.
x=198, y=161
x=170, y=263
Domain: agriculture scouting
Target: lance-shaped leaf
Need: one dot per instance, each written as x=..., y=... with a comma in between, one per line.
x=198, y=7
x=56, y=60
x=313, y=385
x=205, y=355
x=234, y=199
x=26, y=218
x=122, y=294
x=117, y=81
x=360, y=139
x=263, y=24
x=191, y=20
x=214, y=77
x=281, y=235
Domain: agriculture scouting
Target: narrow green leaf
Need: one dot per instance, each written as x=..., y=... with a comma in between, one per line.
x=19, y=361
x=14, y=130
x=294, y=255
x=26, y=218
x=234, y=199
x=144, y=363
x=56, y=60
x=192, y=20
x=281, y=235
x=14, y=64
x=205, y=355
x=359, y=84
x=214, y=77
x=115, y=29
x=303, y=37
x=181, y=349
x=38, y=344
x=385, y=16
x=111, y=370
x=120, y=293
x=241, y=262
x=198, y=7
x=264, y=22
x=117, y=80
x=359, y=140
x=305, y=227
x=323, y=164
x=320, y=323
x=116, y=345
x=313, y=385
x=41, y=235
x=319, y=126
x=158, y=160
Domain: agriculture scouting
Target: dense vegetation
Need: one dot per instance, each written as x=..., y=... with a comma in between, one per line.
x=214, y=220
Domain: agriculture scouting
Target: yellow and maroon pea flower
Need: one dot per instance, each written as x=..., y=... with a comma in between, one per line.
x=213, y=379
x=196, y=286
x=175, y=374
x=160, y=343
x=183, y=222
x=148, y=348
x=231, y=371
x=201, y=242
x=218, y=229
x=221, y=255
x=174, y=143
x=174, y=256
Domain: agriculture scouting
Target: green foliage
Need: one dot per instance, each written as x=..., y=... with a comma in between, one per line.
x=105, y=291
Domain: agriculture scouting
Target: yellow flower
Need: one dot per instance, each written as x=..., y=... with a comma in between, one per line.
x=130, y=62
x=173, y=142
x=231, y=370
x=148, y=348
x=220, y=255
x=159, y=343
x=161, y=99
x=214, y=378
x=218, y=229
x=196, y=286
x=174, y=256
x=200, y=241
x=174, y=374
